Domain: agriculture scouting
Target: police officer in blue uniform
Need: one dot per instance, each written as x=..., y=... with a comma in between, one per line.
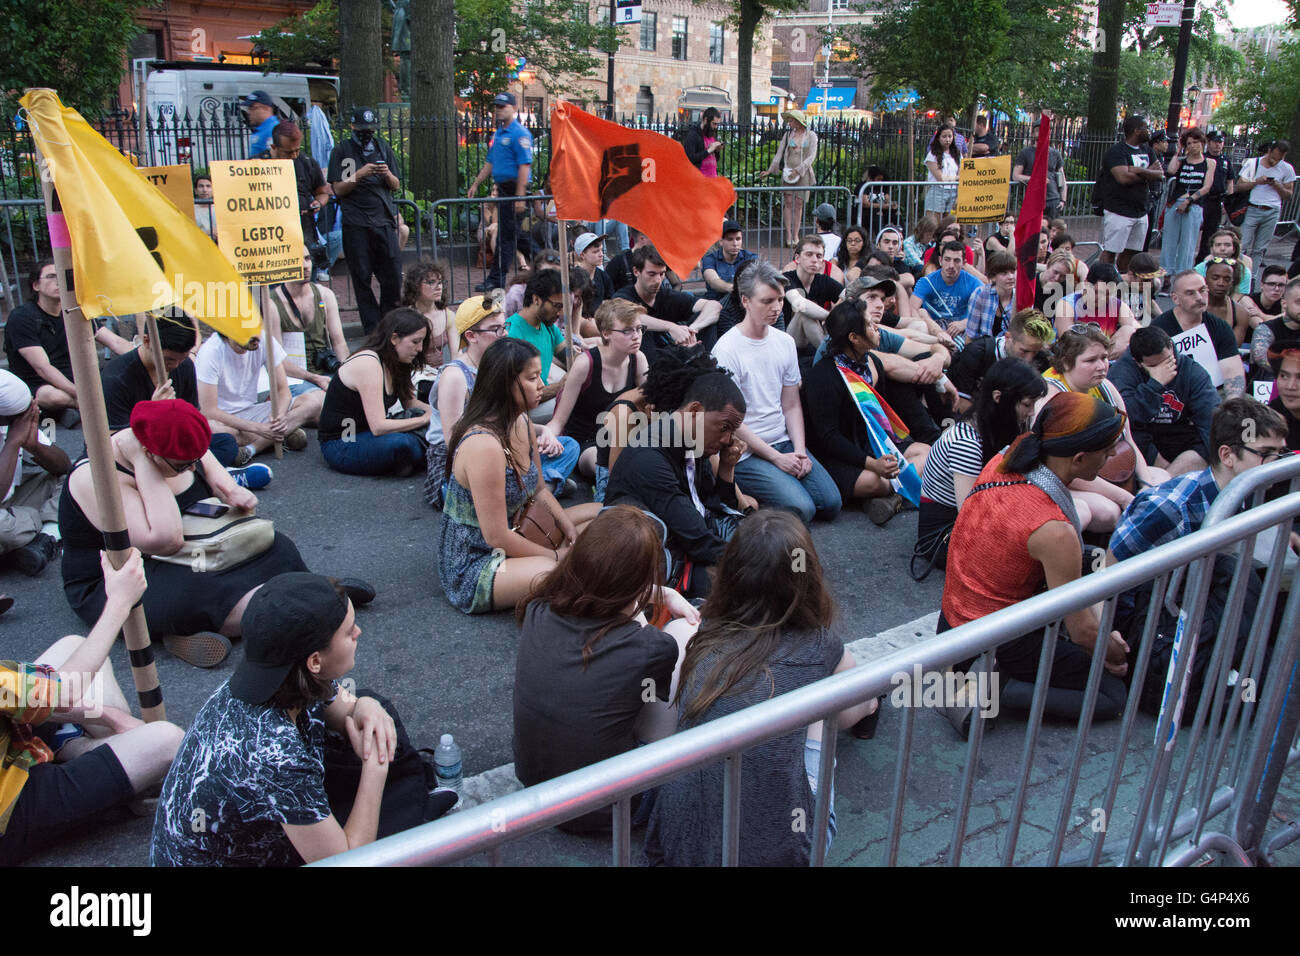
x=509, y=163
x=259, y=109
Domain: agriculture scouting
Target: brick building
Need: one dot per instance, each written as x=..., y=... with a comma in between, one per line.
x=798, y=55
x=679, y=46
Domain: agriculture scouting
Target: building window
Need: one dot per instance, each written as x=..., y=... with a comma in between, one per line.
x=839, y=4
x=645, y=103
x=649, y=30
x=579, y=13
x=679, y=38
x=715, y=42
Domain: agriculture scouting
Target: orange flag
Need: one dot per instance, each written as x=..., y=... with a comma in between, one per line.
x=600, y=170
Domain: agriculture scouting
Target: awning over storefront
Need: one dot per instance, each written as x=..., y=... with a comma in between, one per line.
x=832, y=98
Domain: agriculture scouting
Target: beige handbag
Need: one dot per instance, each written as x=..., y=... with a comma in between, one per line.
x=220, y=542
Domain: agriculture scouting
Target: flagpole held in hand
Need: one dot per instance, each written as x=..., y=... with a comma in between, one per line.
x=155, y=350
x=99, y=448
x=564, y=290
x=268, y=347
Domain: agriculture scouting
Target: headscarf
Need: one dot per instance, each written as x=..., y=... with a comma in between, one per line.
x=1070, y=423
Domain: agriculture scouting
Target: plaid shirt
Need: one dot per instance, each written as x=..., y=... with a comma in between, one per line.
x=985, y=308
x=1159, y=515
x=28, y=693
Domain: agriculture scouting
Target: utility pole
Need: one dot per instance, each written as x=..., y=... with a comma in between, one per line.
x=1172, y=121
x=609, y=78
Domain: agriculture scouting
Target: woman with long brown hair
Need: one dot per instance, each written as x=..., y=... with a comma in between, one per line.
x=765, y=630
x=586, y=652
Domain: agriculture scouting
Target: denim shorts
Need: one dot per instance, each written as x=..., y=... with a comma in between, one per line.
x=812, y=756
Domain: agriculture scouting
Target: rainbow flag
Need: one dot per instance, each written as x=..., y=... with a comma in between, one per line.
x=883, y=426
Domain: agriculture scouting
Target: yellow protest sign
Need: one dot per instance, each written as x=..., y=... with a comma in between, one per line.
x=255, y=205
x=175, y=183
x=983, y=189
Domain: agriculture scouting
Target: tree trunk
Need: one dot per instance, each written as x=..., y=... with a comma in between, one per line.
x=751, y=12
x=1103, y=92
x=361, y=55
x=433, y=172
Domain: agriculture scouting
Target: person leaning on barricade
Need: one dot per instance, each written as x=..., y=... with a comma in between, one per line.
x=1243, y=434
x=1018, y=533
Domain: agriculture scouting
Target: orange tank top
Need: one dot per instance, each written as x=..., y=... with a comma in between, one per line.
x=989, y=565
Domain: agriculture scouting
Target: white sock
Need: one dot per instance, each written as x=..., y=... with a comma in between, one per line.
x=52, y=529
x=252, y=452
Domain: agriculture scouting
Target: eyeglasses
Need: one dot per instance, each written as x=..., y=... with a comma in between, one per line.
x=183, y=466
x=556, y=304
x=552, y=259
x=633, y=332
x=1276, y=285
x=1221, y=261
x=490, y=330
x=434, y=281
x=1268, y=454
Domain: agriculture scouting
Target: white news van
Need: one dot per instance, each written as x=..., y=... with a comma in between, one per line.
x=192, y=107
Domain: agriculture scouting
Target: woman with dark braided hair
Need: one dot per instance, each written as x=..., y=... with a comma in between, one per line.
x=1018, y=533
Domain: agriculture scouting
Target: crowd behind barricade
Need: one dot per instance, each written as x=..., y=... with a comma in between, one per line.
x=694, y=440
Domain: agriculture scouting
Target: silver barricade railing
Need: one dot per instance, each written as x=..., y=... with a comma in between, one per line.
x=617, y=780
x=758, y=209
x=416, y=230
x=908, y=205
x=24, y=243
x=465, y=237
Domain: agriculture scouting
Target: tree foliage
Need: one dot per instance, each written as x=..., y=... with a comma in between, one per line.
x=556, y=38
x=910, y=45
x=1266, y=97
x=303, y=42
x=71, y=46
x=748, y=19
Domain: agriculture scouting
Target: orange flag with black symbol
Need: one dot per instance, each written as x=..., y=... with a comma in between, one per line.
x=600, y=170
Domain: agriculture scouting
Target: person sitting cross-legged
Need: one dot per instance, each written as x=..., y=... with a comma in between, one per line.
x=69, y=748
x=946, y=295
x=1170, y=401
x=862, y=443
x=358, y=435
x=227, y=374
x=1017, y=532
x=665, y=471
x=776, y=468
x=587, y=657
x=31, y=469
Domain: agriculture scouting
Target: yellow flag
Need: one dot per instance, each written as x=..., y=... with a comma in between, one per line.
x=132, y=250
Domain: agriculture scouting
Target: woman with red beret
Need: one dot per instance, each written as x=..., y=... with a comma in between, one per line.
x=163, y=468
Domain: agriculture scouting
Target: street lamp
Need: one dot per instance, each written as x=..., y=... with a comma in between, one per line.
x=1193, y=94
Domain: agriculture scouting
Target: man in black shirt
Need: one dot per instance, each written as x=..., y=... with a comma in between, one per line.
x=1284, y=363
x=1225, y=181
x=810, y=295
x=36, y=345
x=985, y=142
x=313, y=194
x=365, y=174
x=1027, y=337
x=670, y=316
x=668, y=474
x=1286, y=327
x=1127, y=168
x=1191, y=296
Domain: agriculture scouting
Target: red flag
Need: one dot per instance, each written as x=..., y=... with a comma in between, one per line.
x=1030, y=223
x=600, y=170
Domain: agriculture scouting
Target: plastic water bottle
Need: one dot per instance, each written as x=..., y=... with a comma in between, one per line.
x=447, y=763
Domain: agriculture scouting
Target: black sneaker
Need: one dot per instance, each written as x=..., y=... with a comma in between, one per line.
x=32, y=557
x=70, y=418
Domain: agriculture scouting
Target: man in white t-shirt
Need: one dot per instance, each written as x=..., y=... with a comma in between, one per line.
x=29, y=496
x=777, y=469
x=228, y=397
x=1270, y=179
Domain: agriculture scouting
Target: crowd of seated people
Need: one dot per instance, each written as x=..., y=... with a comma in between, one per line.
x=715, y=427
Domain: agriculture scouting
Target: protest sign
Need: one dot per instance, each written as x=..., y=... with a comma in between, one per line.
x=255, y=205
x=983, y=189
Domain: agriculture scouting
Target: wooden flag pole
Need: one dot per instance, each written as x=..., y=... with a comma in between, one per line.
x=564, y=287
x=268, y=350
x=99, y=449
x=155, y=350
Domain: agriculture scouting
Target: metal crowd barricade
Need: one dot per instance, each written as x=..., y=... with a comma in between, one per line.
x=417, y=230
x=908, y=205
x=26, y=240
x=1263, y=729
x=457, y=237
x=758, y=209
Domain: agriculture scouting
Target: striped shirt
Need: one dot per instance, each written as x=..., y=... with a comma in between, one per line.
x=958, y=451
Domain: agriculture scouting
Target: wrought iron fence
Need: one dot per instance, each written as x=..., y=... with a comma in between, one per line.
x=845, y=149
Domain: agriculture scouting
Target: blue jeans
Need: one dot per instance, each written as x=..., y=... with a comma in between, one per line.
x=370, y=454
x=1178, y=242
x=812, y=756
x=556, y=469
x=602, y=482
x=813, y=495
x=302, y=388
x=1256, y=233
x=225, y=448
